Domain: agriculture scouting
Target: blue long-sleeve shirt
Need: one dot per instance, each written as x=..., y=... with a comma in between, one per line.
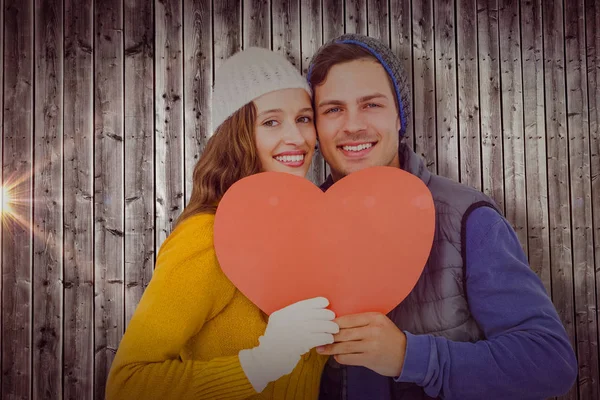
x=526, y=354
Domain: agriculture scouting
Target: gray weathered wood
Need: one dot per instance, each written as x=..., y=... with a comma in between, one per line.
x=558, y=169
x=356, y=16
x=489, y=104
x=227, y=17
x=311, y=38
x=139, y=150
x=333, y=19
x=424, y=83
x=581, y=206
x=468, y=94
x=592, y=15
x=47, y=191
x=78, y=182
x=446, y=105
x=535, y=141
x=108, y=187
x=401, y=45
x=257, y=23
x=515, y=196
x=3, y=201
x=286, y=30
x=378, y=20
x=168, y=123
x=17, y=178
x=197, y=81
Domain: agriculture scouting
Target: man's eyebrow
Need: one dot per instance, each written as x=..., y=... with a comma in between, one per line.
x=371, y=97
x=360, y=100
x=275, y=110
x=331, y=103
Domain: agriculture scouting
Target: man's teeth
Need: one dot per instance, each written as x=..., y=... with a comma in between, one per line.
x=358, y=148
x=297, y=158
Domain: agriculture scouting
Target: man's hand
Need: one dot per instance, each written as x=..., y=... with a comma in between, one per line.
x=370, y=340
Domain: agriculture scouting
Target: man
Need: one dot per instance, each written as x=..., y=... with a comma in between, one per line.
x=479, y=323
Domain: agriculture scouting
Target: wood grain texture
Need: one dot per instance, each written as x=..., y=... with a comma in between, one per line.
x=558, y=169
x=378, y=25
x=47, y=191
x=227, y=28
x=257, y=23
x=445, y=93
x=581, y=203
x=78, y=180
x=168, y=123
x=139, y=150
x=197, y=83
x=513, y=145
x=356, y=16
x=286, y=30
x=592, y=15
x=490, y=102
x=311, y=39
x=468, y=94
x=401, y=45
x=424, y=104
x=18, y=177
x=538, y=238
x=108, y=187
x=333, y=19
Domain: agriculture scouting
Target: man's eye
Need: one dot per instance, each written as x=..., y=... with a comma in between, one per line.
x=334, y=109
x=372, y=105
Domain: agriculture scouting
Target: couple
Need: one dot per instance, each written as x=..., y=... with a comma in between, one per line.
x=478, y=324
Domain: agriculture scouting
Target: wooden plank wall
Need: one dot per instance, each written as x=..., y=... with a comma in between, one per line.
x=106, y=109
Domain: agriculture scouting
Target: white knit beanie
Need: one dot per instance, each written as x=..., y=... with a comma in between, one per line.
x=249, y=74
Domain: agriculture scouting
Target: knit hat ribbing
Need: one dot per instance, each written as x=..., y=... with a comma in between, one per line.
x=249, y=74
x=390, y=62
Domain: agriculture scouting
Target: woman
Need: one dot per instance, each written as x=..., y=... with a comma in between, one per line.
x=193, y=335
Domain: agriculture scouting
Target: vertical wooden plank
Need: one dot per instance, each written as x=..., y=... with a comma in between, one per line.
x=311, y=39
x=47, y=248
x=515, y=199
x=139, y=149
x=108, y=187
x=17, y=177
x=3, y=200
x=356, y=16
x=446, y=102
x=581, y=202
x=424, y=110
x=558, y=168
x=401, y=45
x=535, y=140
x=489, y=101
x=468, y=94
x=378, y=20
x=592, y=15
x=78, y=369
x=257, y=23
x=286, y=30
x=197, y=25
x=169, y=116
x=227, y=19
x=333, y=20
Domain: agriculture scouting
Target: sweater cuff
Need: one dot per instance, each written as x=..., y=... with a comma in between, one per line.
x=225, y=379
x=416, y=359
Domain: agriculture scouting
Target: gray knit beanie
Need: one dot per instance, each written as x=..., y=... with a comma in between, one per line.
x=390, y=62
x=247, y=75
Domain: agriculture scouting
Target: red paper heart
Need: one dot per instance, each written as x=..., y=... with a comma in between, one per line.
x=362, y=244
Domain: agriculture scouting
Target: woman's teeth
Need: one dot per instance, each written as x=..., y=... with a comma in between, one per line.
x=297, y=158
x=358, y=148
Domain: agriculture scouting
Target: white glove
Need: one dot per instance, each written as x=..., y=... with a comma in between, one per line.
x=291, y=332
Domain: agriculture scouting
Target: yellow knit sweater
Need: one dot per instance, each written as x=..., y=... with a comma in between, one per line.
x=184, y=337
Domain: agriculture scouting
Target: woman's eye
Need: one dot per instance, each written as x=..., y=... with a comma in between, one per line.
x=304, y=119
x=271, y=123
